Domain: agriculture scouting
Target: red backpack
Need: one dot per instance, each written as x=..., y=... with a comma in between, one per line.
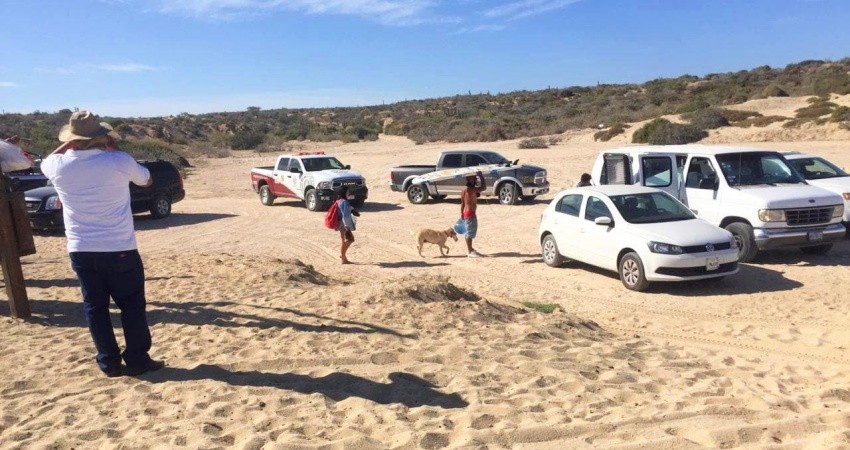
x=332, y=216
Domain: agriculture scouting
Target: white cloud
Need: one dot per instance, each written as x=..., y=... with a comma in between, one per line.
x=526, y=8
x=390, y=12
x=127, y=67
x=480, y=28
x=9, y=84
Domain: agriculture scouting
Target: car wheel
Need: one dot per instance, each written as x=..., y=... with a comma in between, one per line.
x=527, y=198
x=417, y=194
x=161, y=206
x=507, y=194
x=631, y=272
x=551, y=256
x=817, y=249
x=744, y=238
x=266, y=196
x=439, y=197
x=311, y=198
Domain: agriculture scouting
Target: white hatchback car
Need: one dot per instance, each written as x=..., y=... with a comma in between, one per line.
x=642, y=233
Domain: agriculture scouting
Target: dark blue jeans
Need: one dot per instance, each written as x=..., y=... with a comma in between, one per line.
x=119, y=275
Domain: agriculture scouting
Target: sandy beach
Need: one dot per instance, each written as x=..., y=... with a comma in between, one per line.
x=272, y=343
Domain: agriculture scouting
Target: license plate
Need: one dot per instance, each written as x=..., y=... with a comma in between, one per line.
x=712, y=263
x=815, y=235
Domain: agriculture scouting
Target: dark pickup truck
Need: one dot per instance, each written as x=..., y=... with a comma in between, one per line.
x=45, y=210
x=521, y=182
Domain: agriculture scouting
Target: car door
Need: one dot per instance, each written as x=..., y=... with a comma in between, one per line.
x=292, y=179
x=599, y=243
x=452, y=185
x=279, y=188
x=656, y=171
x=702, y=193
x=565, y=225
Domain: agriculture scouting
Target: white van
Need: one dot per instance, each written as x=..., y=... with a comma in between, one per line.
x=751, y=192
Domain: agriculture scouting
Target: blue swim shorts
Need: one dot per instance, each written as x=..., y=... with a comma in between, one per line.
x=471, y=227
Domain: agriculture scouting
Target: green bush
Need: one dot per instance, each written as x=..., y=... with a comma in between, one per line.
x=840, y=114
x=609, y=133
x=759, y=121
x=537, y=142
x=708, y=119
x=832, y=83
x=246, y=140
x=815, y=110
x=734, y=115
x=664, y=132
x=773, y=90
x=152, y=149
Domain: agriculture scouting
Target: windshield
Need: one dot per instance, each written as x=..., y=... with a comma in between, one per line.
x=651, y=207
x=317, y=164
x=816, y=168
x=494, y=158
x=753, y=168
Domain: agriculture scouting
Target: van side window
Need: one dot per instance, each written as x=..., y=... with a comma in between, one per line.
x=596, y=208
x=453, y=160
x=657, y=171
x=569, y=204
x=474, y=160
x=283, y=164
x=700, y=169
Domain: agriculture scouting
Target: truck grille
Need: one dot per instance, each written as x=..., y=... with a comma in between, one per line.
x=809, y=216
x=350, y=182
x=33, y=205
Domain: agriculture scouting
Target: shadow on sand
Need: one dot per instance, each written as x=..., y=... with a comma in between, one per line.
x=408, y=264
x=404, y=388
x=146, y=222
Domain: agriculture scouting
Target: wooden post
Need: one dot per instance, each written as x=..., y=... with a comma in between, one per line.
x=10, y=256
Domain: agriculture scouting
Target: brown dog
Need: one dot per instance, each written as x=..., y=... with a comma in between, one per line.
x=435, y=237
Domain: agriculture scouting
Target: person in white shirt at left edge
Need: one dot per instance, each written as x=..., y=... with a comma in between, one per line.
x=92, y=178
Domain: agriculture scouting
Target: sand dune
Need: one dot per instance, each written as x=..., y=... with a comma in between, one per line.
x=271, y=343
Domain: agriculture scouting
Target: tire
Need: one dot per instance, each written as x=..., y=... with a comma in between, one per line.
x=631, y=272
x=527, y=198
x=817, y=249
x=440, y=197
x=417, y=194
x=358, y=203
x=745, y=239
x=311, y=200
x=507, y=193
x=160, y=206
x=549, y=249
x=266, y=196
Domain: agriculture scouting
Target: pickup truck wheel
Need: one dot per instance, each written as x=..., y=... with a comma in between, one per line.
x=417, y=194
x=745, y=239
x=311, y=198
x=440, y=197
x=631, y=272
x=817, y=249
x=551, y=256
x=266, y=196
x=507, y=194
x=161, y=206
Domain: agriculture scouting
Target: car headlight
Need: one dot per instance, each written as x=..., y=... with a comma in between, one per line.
x=772, y=215
x=53, y=203
x=540, y=177
x=838, y=211
x=324, y=185
x=667, y=249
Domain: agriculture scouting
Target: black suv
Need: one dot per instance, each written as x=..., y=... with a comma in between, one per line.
x=45, y=210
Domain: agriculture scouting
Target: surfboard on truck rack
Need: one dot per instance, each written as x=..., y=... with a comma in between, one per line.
x=461, y=172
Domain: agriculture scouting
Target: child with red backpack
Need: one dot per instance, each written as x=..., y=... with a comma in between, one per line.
x=340, y=218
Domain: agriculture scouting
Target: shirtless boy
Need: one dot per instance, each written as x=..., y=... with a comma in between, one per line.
x=468, y=206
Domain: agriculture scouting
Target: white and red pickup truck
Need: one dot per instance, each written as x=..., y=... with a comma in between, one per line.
x=313, y=177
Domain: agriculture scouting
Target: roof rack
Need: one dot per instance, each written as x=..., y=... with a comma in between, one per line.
x=309, y=153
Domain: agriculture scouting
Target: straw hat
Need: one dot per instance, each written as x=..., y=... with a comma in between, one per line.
x=83, y=126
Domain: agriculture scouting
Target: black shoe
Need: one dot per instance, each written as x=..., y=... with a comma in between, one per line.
x=151, y=366
x=114, y=373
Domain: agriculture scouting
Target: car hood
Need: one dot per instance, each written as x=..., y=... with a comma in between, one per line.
x=40, y=193
x=530, y=168
x=333, y=174
x=683, y=233
x=837, y=184
x=789, y=196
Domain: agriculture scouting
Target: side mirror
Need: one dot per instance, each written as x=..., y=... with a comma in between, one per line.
x=347, y=167
x=604, y=220
x=295, y=170
x=709, y=183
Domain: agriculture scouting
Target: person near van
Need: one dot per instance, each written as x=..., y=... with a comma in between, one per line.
x=346, y=223
x=585, y=180
x=92, y=178
x=468, y=207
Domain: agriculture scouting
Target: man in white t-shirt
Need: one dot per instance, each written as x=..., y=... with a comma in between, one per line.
x=92, y=178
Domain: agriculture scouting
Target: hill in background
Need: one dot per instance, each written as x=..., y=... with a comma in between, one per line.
x=692, y=106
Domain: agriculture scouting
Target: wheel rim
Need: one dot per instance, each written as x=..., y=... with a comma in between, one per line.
x=739, y=241
x=311, y=201
x=631, y=272
x=416, y=194
x=264, y=194
x=548, y=250
x=162, y=206
x=505, y=193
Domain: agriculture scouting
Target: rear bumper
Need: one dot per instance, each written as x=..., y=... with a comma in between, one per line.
x=769, y=239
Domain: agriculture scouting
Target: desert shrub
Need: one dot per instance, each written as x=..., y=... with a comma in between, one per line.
x=734, y=115
x=832, y=83
x=537, y=142
x=815, y=110
x=609, y=133
x=123, y=127
x=693, y=105
x=840, y=114
x=554, y=140
x=708, y=119
x=664, y=132
x=773, y=90
x=545, y=308
x=759, y=121
x=246, y=140
x=795, y=123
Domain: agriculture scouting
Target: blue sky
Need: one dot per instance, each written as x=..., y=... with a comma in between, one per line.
x=158, y=57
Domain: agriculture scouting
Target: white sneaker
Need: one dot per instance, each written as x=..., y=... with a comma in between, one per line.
x=474, y=254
